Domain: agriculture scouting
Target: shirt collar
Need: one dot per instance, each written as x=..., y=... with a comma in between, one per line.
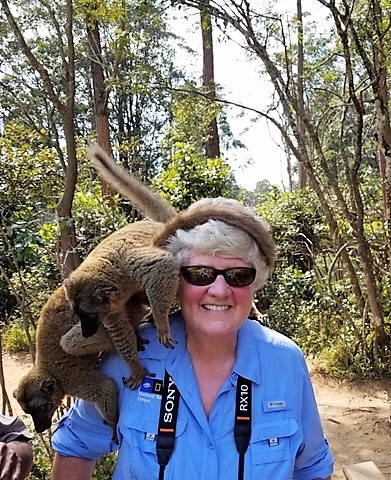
x=247, y=363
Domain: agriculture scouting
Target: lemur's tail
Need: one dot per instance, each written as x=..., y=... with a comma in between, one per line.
x=145, y=200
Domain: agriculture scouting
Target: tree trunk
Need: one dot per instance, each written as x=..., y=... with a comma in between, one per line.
x=70, y=258
x=213, y=143
x=6, y=401
x=383, y=127
x=346, y=31
x=300, y=89
x=100, y=95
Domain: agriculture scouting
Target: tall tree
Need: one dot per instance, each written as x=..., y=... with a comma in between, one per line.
x=300, y=86
x=63, y=101
x=358, y=28
x=208, y=78
x=93, y=13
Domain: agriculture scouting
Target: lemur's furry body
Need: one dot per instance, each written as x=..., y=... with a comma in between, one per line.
x=115, y=284
x=100, y=306
x=104, y=299
x=57, y=373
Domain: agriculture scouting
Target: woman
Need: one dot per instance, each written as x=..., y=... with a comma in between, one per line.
x=232, y=399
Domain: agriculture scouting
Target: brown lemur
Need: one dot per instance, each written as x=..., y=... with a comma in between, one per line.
x=56, y=373
x=157, y=208
x=123, y=275
x=104, y=299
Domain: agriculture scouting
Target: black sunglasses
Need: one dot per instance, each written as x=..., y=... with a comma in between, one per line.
x=201, y=276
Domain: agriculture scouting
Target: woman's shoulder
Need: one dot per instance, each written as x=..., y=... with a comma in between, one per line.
x=267, y=336
x=114, y=366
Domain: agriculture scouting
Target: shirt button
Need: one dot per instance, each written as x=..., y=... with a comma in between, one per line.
x=211, y=446
x=234, y=376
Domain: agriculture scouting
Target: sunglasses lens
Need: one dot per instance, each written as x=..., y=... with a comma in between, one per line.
x=202, y=276
x=240, y=276
x=199, y=276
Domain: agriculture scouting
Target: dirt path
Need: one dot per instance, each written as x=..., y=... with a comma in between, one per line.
x=356, y=419
x=355, y=416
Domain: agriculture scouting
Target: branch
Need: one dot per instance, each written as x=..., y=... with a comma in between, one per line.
x=32, y=58
x=57, y=27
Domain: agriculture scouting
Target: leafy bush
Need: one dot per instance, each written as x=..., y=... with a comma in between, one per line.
x=42, y=458
x=13, y=337
x=104, y=467
x=313, y=305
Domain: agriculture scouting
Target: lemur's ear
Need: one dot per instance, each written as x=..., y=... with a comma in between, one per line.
x=47, y=385
x=104, y=292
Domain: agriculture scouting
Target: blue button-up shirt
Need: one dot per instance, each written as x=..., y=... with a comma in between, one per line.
x=287, y=441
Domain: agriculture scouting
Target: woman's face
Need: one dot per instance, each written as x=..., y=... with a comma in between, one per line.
x=216, y=309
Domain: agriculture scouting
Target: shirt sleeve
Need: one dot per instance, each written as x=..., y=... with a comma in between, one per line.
x=314, y=459
x=12, y=428
x=81, y=432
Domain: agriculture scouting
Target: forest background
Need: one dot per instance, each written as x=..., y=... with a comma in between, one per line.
x=81, y=70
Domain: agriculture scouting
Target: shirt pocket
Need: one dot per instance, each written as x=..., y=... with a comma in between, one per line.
x=140, y=433
x=271, y=442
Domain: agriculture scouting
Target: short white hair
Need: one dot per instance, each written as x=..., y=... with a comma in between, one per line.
x=216, y=237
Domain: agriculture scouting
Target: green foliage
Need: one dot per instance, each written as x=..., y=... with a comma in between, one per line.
x=310, y=304
x=25, y=241
x=140, y=101
x=337, y=360
x=104, y=467
x=298, y=226
x=42, y=458
x=385, y=293
x=291, y=288
x=100, y=10
x=30, y=175
x=31, y=181
x=354, y=359
x=94, y=217
x=293, y=299
x=189, y=178
x=302, y=308
x=13, y=337
x=187, y=174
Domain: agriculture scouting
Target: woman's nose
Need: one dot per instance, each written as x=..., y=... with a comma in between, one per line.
x=219, y=285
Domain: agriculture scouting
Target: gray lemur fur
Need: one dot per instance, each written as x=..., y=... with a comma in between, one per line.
x=56, y=373
x=146, y=201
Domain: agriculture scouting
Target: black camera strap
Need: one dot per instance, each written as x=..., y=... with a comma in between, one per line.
x=167, y=423
x=242, y=429
x=169, y=414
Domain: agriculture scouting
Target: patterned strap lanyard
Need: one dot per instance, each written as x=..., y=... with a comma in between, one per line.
x=169, y=414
